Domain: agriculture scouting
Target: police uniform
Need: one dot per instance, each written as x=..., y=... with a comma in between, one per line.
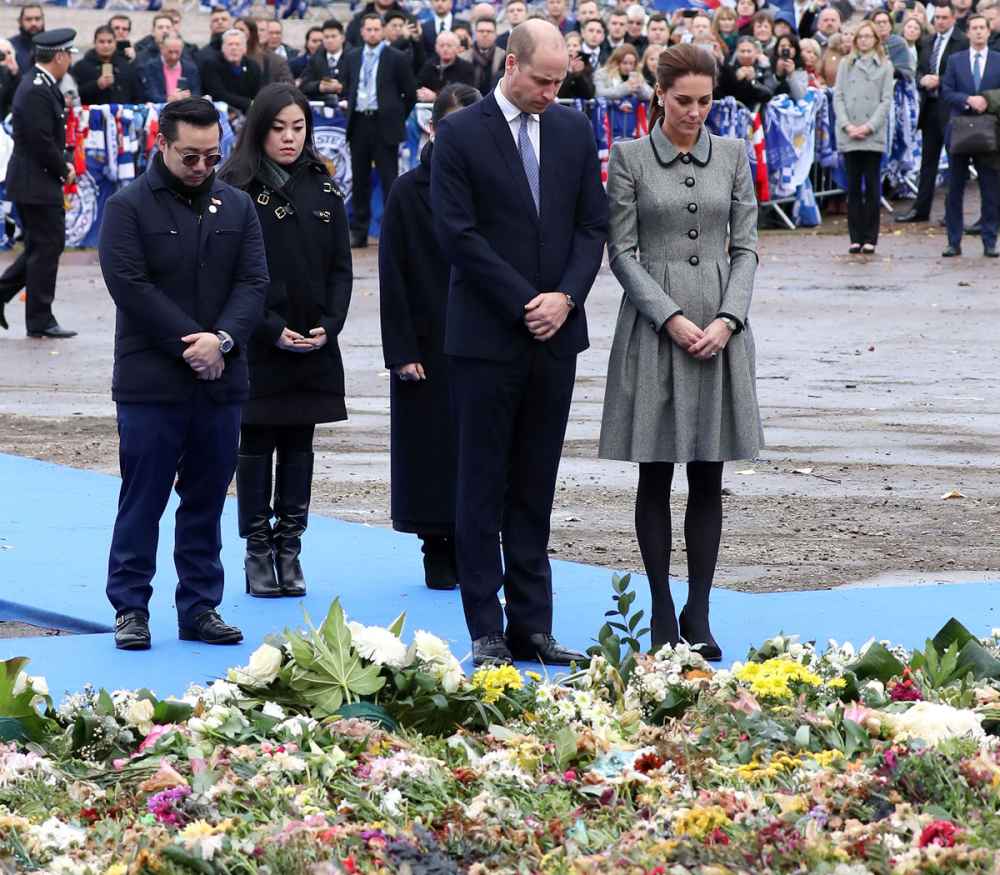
x=35, y=176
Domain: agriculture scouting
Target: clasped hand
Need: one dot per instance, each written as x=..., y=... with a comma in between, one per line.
x=700, y=343
x=203, y=355
x=545, y=313
x=292, y=341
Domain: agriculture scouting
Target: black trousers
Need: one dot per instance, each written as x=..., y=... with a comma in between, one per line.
x=195, y=444
x=930, y=158
x=368, y=148
x=37, y=266
x=864, y=192
x=511, y=421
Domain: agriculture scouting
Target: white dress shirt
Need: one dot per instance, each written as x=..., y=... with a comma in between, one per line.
x=945, y=37
x=513, y=116
x=982, y=54
x=443, y=24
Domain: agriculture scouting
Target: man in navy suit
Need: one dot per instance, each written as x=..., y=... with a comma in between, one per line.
x=519, y=209
x=969, y=74
x=183, y=257
x=442, y=21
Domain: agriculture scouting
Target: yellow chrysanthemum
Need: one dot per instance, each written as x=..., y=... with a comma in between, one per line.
x=116, y=869
x=700, y=822
x=494, y=682
x=772, y=679
x=827, y=758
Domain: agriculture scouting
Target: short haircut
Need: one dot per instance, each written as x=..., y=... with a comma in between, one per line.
x=521, y=44
x=104, y=28
x=657, y=16
x=46, y=56
x=974, y=15
x=235, y=31
x=162, y=16
x=486, y=20
x=368, y=16
x=120, y=17
x=763, y=16
x=196, y=111
x=939, y=6
x=599, y=21
x=215, y=10
x=333, y=24
x=510, y=3
x=393, y=14
x=25, y=8
x=618, y=12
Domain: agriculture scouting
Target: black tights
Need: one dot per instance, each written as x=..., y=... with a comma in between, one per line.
x=263, y=440
x=702, y=533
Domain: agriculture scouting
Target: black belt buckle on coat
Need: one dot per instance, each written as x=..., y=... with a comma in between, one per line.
x=322, y=215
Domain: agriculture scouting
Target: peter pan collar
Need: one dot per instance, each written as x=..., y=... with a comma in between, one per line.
x=667, y=153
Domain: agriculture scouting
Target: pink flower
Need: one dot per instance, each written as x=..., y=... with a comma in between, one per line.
x=856, y=713
x=940, y=832
x=569, y=776
x=155, y=734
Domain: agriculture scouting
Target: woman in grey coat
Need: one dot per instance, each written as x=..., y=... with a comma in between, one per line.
x=862, y=101
x=681, y=379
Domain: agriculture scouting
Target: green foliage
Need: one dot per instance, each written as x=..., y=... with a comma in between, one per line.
x=326, y=670
x=620, y=650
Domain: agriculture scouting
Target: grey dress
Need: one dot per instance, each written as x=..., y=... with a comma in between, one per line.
x=669, y=248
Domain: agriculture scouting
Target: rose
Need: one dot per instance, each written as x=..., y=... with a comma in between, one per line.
x=265, y=663
x=139, y=714
x=940, y=832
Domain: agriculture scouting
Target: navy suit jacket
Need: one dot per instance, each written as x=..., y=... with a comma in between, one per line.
x=502, y=252
x=172, y=274
x=956, y=86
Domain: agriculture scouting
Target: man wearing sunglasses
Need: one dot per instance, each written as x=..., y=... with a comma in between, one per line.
x=183, y=257
x=36, y=173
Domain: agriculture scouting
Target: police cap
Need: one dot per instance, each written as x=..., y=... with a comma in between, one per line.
x=59, y=39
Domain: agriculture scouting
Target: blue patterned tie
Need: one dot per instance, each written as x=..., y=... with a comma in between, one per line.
x=528, y=159
x=366, y=75
x=977, y=72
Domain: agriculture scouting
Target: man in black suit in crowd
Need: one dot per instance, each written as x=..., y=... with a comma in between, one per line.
x=36, y=172
x=182, y=255
x=486, y=57
x=443, y=21
x=219, y=21
x=402, y=32
x=932, y=60
x=380, y=7
x=380, y=90
x=320, y=79
x=520, y=211
x=515, y=12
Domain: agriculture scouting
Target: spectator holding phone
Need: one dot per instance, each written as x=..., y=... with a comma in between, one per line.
x=170, y=75
x=403, y=33
x=579, y=81
x=786, y=61
x=313, y=43
x=104, y=76
x=748, y=78
x=122, y=26
x=621, y=78
x=321, y=80
x=10, y=76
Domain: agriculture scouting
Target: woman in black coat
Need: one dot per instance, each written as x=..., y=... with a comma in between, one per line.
x=94, y=88
x=413, y=290
x=296, y=372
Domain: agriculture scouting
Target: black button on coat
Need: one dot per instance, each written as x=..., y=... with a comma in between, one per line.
x=309, y=261
x=413, y=290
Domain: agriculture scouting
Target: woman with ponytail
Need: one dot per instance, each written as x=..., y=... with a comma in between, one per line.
x=681, y=378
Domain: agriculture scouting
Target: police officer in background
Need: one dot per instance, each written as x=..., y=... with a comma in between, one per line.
x=35, y=176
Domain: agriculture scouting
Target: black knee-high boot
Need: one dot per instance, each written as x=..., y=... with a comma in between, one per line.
x=702, y=533
x=652, y=529
x=439, y=562
x=293, y=490
x=253, y=500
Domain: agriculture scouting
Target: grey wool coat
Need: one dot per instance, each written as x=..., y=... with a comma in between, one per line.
x=683, y=239
x=863, y=96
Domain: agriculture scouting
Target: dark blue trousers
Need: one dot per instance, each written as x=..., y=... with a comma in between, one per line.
x=195, y=444
x=511, y=420
x=989, y=190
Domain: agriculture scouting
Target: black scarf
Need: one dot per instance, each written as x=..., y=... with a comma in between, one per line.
x=195, y=195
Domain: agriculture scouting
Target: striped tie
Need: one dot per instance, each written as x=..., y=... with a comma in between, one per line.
x=528, y=159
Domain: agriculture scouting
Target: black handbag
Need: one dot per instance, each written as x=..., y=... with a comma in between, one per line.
x=975, y=134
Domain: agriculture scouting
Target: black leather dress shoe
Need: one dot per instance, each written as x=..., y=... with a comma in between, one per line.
x=54, y=331
x=952, y=252
x=210, y=628
x=991, y=252
x=911, y=216
x=132, y=631
x=975, y=229
x=698, y=638
x=491, y=650
x=545, y=649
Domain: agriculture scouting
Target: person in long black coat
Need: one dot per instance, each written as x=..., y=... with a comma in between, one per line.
x=122, y=86
x=296, y=371
x=413, y=290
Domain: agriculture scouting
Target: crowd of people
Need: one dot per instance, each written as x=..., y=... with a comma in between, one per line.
x=232, y=287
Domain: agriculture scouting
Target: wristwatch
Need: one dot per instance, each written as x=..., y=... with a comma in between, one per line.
x=569, y=301
x=730, y=323
x=225, y=342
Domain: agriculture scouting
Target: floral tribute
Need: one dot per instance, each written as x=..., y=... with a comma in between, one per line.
x=346, y=748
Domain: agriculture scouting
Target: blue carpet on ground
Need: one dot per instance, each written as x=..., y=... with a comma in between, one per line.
x=55, y=527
